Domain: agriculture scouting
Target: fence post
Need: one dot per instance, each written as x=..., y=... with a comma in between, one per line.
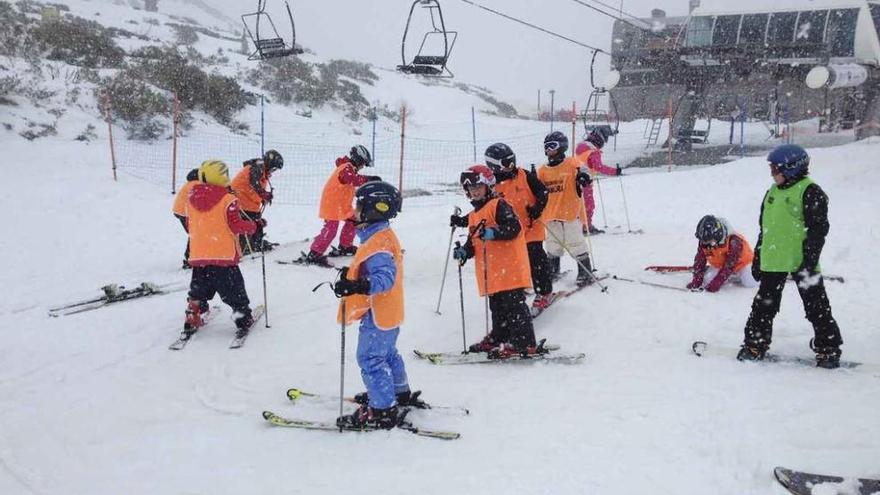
x=474, y=132
x=109, y=120
x=262, y=125
x=175, y=117
x=669, y=143
x=374, y=118
x=402, y=139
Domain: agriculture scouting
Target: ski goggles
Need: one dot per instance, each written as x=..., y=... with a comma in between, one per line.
x=552, y=145
x=505, y=163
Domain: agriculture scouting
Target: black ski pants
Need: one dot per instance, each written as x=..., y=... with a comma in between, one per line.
x=542, y=276
x=511, y=320
x=185, y=229
x=226, y=281
x=765, y=306
x=256, y=239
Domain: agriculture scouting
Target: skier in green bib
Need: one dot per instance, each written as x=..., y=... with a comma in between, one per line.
x=794, y=223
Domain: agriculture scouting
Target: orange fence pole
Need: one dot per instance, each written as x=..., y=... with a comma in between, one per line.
x=109, y=120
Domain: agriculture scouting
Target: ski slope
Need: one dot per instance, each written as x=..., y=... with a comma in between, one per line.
x=95, y=403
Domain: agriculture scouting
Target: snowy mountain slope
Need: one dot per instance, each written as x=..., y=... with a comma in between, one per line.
x=95, y=403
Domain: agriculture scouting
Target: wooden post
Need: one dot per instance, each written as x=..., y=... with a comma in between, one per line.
x=109, y=118
x=669, y=143
x=402, y=138
x=174, y=119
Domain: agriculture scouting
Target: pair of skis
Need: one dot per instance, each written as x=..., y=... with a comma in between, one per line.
x=114, y=293
x=455, y=358
x=686, y=268
x=703, y=349
x=236, y=342
x=295, y=395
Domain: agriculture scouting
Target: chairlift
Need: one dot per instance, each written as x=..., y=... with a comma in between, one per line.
x=431, y=65
x=269, y=47
x=592, y=114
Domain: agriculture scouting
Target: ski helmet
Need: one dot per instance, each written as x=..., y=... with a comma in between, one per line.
x=499, y=156
x=556, y=141
x=214, y=172
x=596, y=138
x=360, y=156
x=192, y=175
x=377, y=201
x=273, y=160
x=711, y=230
x=478, y=174
x=790, y=159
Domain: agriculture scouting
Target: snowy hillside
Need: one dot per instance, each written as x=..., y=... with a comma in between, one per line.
x=95, y=403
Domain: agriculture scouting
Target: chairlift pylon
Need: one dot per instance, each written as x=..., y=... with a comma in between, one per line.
x=269, y=47
x=592, y=114
x=428, y=65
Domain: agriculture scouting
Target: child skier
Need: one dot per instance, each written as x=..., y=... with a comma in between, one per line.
x=251, y=186
x=590, y=153
x=215, y=222
x=528, y=197
x=794, y=224
x=372, y=292
x=722, y=255
x=565, y=180
x=179, y=208
x=497, y=242
x=336, y=200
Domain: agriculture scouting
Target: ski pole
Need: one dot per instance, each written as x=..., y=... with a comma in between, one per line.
x=342, y=361
x=601, y=201
x=625, y=209
x=461, y=303
x=486, y=283
x=456, y=211
x=565, y=248
x=652, y=284
x=265, y=292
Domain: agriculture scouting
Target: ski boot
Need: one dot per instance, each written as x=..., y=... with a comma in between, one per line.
x=585, y=271
x=336, y=252
x=267, y=246
x=505, y=351
x=313, y=258
x=594, y=231
x=540, y=303
x=751, y=353
x=485, y=345
x=244, y=323
x=404, y=399
x=826, y=357
x=368, y=418
x=195, y=312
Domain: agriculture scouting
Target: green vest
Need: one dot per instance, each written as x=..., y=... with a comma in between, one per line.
x=783, y=230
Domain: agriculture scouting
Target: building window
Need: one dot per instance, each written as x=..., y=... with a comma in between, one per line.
x=754, y=27
x=781, y=28
x=726, y=30
x=840, y=35
x=811, y=27
x=699, y=31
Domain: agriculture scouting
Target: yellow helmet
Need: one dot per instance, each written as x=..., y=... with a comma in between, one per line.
x=214, y=172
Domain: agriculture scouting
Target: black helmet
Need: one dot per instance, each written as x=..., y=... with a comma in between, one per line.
x=556, y=141
x=192, y=175
x=791, y=160
x=273, y=160
x=711, y=230
x=499, y=156
x=377, y=201
x=360, y=156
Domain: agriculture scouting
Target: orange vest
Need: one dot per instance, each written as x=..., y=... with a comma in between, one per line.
x=248, y=199
x=337, y=198
x=508, y=260
x=180, y=200
x=518, y=194
x=210, y=238
x=718, y=255
x=387, y=307
x=583, y=159
x=564, y=203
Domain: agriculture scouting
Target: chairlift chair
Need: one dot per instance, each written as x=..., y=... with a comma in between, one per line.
x=269, y=47
x=592, y=116
x=428, y=65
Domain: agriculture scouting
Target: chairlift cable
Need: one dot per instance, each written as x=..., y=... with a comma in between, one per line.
x=615, y=17
x=533, y=26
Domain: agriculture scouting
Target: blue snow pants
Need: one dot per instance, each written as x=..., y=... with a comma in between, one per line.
x=382, y=367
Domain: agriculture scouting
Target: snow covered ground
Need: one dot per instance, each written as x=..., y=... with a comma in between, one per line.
x=95, y=403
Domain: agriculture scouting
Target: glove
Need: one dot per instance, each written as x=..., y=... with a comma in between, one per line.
x=261, y=222
x=583, y=178
x=695, y=284
x=534, y=212
x=619, y=170
x=460, y=253
x=488, y=233
x=714, y=285
x=267, y=196
x=345, y=287
x=458, y=221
